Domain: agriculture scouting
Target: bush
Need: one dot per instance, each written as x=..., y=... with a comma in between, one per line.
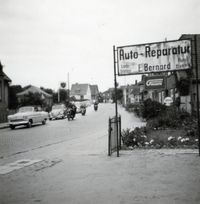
x=157, y=139
x=170, y=118
x=151, y=109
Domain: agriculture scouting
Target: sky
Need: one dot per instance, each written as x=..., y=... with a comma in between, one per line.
x=46, y=42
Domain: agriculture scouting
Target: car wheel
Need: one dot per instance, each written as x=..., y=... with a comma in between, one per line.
x=12, y=127
x=44, y=122
x=29, y=125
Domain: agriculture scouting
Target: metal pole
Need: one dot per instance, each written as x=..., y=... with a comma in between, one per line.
x=120, y=135
x=58, y=95
x=116, y=111
x=109, y=133
x=197, y=90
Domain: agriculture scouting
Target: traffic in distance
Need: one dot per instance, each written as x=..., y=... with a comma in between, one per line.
x=30, y=115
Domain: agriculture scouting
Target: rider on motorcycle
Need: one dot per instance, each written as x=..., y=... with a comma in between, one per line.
x=95, y=105
x=72, y=110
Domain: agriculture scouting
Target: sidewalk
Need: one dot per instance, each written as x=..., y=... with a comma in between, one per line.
x=4, y=125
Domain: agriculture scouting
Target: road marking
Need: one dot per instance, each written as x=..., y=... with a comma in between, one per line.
x=17, y=165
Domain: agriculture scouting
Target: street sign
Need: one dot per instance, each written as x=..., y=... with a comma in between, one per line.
x=154, y=57
x=154, y=82
x=63, y=84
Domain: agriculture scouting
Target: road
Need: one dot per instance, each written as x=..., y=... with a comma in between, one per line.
x=66, y=162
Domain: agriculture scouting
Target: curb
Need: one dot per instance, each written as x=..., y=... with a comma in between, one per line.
x=2, y=126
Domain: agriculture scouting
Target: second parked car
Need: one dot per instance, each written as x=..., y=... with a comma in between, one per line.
x=58, y=111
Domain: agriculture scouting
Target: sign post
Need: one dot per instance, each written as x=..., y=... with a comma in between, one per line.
x=116, y=111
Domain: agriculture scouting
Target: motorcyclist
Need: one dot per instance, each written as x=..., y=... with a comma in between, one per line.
x=74, y=109
x=95, y=105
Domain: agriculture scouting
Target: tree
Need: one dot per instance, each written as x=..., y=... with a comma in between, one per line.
x=119, y=95
x=13, y=90
x=33, y=99
x=64, y=95
x=47, y=90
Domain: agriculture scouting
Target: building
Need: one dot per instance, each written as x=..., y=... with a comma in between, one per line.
x=4, y=94
x=188, y=78
x=131, y=94
x=107, y=95
x=81, y=92
x=181, y=85
x=33, y=89
x=94, y=92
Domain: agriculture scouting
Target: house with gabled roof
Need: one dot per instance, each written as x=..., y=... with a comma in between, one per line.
x=94, y=92
x=33, y=89
x=4, y=94
x=107, y=95
x=131, y=93
x=81, y=92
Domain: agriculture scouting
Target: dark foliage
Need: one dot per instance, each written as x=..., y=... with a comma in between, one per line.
x=119, y=95
x=33, y=99
x=13, y=90
x=151, y=109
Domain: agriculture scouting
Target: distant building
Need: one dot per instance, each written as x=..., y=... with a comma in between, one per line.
x=131, y=94
x=107, y=95
x=81, y=92
x=94, y=92
x=33, y=89
x=4, y=93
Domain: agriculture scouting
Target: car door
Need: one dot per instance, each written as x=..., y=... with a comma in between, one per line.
x=36, y=115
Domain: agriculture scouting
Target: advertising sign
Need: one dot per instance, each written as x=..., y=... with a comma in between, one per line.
x=154, y=82
x=63, y=84
x=168, y=101
x=154, y=57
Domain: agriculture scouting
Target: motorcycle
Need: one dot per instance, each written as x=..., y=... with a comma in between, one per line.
x=95, y=107
x=70, y=114
x=83, y=110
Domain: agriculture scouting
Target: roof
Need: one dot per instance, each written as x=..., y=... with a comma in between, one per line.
x=94, y=89
x=3, y=75
x=79, y=89
x=33, y=89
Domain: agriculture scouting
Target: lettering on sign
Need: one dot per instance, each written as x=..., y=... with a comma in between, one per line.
x=154, y=82
x=154, y=57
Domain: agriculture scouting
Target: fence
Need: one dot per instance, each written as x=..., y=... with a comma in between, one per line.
x=114, y=135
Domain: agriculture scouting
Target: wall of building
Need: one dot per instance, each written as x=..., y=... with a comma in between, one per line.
x=192, y=99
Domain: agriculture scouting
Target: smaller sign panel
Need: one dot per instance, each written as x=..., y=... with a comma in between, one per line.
x=168, y=101
x=155, y=82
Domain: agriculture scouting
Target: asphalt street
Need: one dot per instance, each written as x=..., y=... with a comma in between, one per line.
x=66, y=162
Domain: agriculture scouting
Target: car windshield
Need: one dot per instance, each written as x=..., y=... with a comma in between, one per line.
x=26, y=109
x=57, y=107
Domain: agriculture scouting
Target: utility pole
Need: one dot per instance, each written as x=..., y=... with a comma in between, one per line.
x=68, y=84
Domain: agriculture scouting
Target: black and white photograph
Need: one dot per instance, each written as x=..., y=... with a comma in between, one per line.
x=99, y=102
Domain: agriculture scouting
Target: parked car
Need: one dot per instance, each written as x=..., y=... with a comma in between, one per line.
x=59, y=111
x=27, y=115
